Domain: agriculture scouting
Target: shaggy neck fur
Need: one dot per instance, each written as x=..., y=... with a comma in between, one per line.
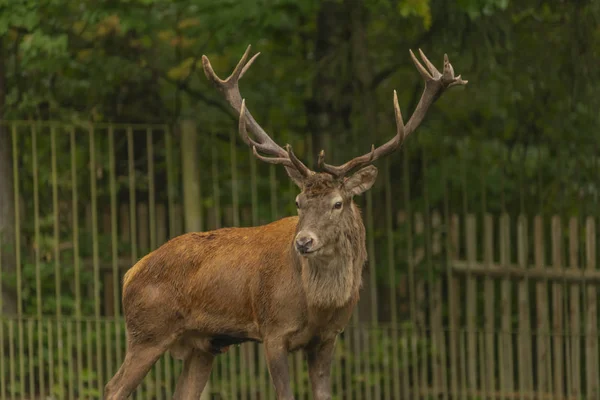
x=332, y=281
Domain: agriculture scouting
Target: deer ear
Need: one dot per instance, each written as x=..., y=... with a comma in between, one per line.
x=361, y=181
x=296, y=177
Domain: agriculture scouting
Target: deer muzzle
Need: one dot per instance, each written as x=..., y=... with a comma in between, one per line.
x=306, y=243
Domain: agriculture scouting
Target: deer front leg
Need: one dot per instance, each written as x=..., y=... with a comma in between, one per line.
x=276, y=354
x=319, y=369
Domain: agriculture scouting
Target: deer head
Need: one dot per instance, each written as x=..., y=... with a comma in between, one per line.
x=325, y=205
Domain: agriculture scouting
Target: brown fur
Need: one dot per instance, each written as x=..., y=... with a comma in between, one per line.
x=200, y=292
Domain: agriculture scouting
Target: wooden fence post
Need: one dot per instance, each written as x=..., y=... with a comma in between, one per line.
x=191, y=178
x=192, y=203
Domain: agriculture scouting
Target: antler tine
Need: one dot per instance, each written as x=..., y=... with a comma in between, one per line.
x=273, y=160
x=303, y=169
x=262, y=141
x=435, y=84
x=432, y=69
x=242, y=127
x=290, y=160
x=374, y=154
x=230, y=88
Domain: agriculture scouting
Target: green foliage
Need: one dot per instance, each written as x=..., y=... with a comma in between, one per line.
x=521, y=137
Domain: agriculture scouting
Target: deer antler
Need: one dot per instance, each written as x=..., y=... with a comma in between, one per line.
x=435, y=84
x=263, y=143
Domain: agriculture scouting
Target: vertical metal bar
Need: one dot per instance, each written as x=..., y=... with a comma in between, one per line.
x=489, y=306
x=225, y=382
x=405, y=362
x=273, y=187
x=241, y=378
x=234, y=180
x=167, y=375
x=543, y=359
x=90, y=355
x=57, y=266
x=172, y=225
x=349, y=335
x=251, y=348
x=264, y=384
x=462, y=349
x=451, y=290
x=75, y=210
x=524, y=343
x=483, y=373
x=170, y=182
x=30, y=357
x=410, y=261
x=557, y=308
x=20, y=327
x=393, y=292
x=253, y=190
x=151, y=190
x=471, y=304
x=575, y=309
x=356, y=341
x=38, y=279
x=11, y=359
x=506, y=348
x=153, y=244
x=215, y=180
x=300, y=384
x=108, y=348
x=114, y=242
x=257, y=375
x=591, y=320
x=2, y=354
x=95, y=254
x=233, y=381
x=433, y=288
x=371, y=344
x=436, y=300
x=132, y=201
x=51, y=360
x=70, y=368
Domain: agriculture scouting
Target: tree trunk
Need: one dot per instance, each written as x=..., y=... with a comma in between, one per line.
x=328, y=110
x=7, y=209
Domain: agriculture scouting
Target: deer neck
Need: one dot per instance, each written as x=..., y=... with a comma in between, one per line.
x=334, y=281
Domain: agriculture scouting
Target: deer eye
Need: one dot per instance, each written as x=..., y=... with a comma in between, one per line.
x=337, y=205
x=297, y=204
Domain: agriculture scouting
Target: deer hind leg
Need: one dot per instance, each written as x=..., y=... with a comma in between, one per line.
x=138, y=361
x=195, y=374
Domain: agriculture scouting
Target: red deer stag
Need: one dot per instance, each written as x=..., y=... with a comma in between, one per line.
x=291, y=284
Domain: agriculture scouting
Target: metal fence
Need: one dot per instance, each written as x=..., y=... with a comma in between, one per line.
x=466, y=296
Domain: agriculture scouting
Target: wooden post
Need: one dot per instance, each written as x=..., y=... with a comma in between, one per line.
x=192, y=200
x=575, y=311
x=591, y=320
x=191, y=178
x=544, y=360
x=557, y=309
x=471, y=305
x=505, y=339
x=489, y=306
x=524, y=364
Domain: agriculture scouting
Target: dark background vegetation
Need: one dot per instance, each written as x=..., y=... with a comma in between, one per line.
x=521, y=137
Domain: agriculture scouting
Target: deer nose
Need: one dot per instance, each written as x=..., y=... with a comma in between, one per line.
x=304, y=243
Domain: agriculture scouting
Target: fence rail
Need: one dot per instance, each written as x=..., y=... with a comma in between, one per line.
x=459, y=302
